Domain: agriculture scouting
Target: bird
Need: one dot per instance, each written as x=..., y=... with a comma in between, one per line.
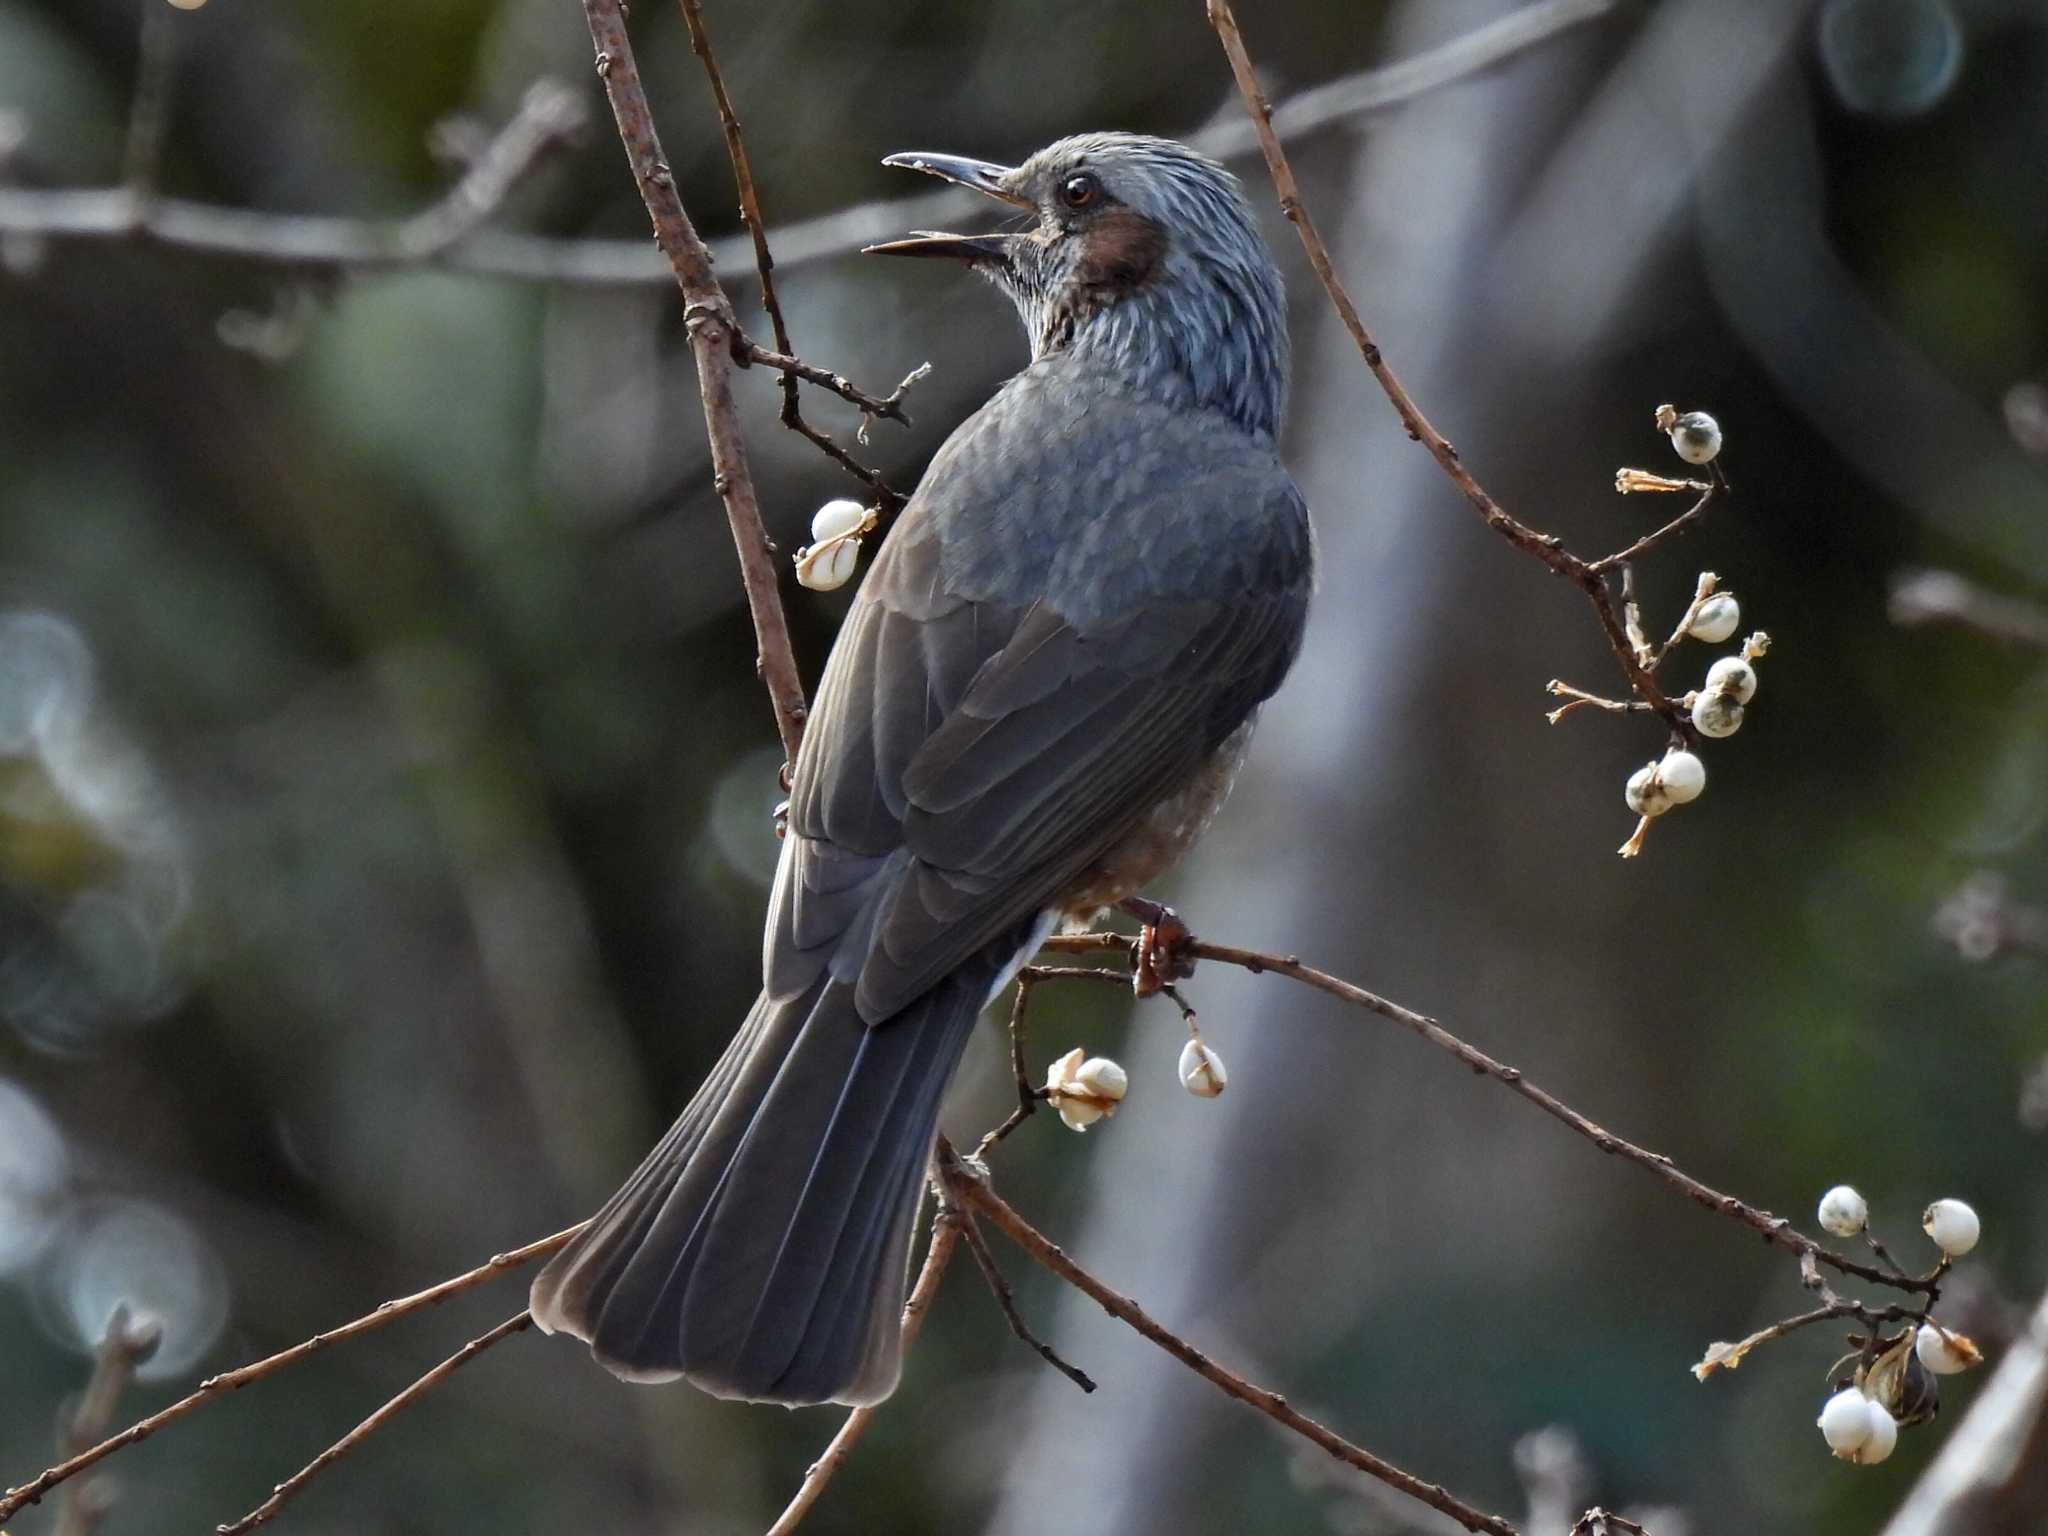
x=1035, y=704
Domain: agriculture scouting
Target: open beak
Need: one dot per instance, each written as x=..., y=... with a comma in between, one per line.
x=985, y=178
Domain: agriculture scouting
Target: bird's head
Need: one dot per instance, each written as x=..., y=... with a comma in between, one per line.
x=1142, y=255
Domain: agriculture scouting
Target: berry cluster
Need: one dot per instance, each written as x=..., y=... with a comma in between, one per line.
x=1892, y=1384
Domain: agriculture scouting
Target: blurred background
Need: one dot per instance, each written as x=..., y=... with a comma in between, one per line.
x=385, y=791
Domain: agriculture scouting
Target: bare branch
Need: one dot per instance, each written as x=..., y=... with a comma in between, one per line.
x=889, y=406
x=970, y=1191
x=127, y=1342
x=745, y=351
x=1580, y=699
x=1006, y=1299
x=549, y=115
x=1677, y=525
x=1027, y=1096
x=285, y=1491
x=713, y=331
x=1726, y=1357
x=1943, y=597
x=1587, y=576
x=156, y=58
x=17, y=1499
x=1774, y=1229
x=292, y=240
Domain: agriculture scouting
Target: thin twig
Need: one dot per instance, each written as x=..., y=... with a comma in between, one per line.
x=285, y=1491
x=1707, y=585
x=550, y=114
x=970, y=1191
x=431, y=237
x=709, y=318
x=889, y=407
x=1676, y=526
x=328, y=242
x=764, y=265
x=1006, y=1299
x=149, y=109
x=1580, y=699
x=1943, y=597
x=1774, y=1229
x=938, y=1253
x=1726, y=1357
x=17, y=1499
x=1027, y=1096
x=1587, y=576
x=127, y=1342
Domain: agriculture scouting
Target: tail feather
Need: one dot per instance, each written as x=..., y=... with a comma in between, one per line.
x=872, y=1246
x=569, y=1294
x=760, y=1249
x=816, y=1239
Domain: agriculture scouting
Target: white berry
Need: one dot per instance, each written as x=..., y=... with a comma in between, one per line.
x=1945, y=1354
x=1732, y=675
x=1843, y=1212
x=1644, y=792
x=1696, y=437
x=836, y=518
x=1716, y=619
x=1715, y=714
x=1845, y=1422
x=1683, y=776
x=1101, y=1078
x=1953, y=1226
x=824, y=568
x=1201, y=1070
x=1084, y=1090
x=830, y=560
x=1858, y=1429
x=1079, y=1114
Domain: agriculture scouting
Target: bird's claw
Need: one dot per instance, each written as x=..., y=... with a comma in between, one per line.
x=1163, y=945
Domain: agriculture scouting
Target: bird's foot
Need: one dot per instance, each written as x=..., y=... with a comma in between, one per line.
x=1163, y=945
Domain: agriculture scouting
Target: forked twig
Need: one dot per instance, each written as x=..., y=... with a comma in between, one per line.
x=331, y=242
x=709, y=318
x=285, y=1491
x=1774, y=1229
x=970, y=1191
x=17, y=1499
x=1006, y=1299
x=127, y=1342
x=744, y=350
x=1589, y=576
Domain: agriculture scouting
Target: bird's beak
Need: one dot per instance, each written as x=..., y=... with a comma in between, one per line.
x=988, y=179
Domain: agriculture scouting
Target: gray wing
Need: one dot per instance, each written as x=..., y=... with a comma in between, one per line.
x=993, y=721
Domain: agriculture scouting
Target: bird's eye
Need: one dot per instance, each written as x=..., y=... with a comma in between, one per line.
x=1080, y=190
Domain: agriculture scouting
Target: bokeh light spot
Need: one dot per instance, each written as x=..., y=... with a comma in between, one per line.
x=1890, y=58
x=45, y=678
x=134, y=1252
x=32, y=1177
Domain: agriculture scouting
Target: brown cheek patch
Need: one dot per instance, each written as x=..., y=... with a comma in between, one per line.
x=1121, y=250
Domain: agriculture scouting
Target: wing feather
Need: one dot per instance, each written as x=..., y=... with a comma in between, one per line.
x=989, y=728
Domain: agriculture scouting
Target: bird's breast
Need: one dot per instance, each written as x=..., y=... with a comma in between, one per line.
x=1162, y=837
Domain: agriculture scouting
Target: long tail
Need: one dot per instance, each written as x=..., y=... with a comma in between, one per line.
x=761, y=1248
